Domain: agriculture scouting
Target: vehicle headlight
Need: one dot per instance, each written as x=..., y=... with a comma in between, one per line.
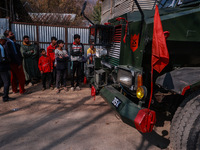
x=125, y=77
x=130, y=77
x=101, y=52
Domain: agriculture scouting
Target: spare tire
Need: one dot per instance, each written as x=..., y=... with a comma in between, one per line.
x=185, y=126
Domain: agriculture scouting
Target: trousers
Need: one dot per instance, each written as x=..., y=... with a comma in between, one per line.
x=6, y=81
x=53, y=76
x=76, y=68
x=17, y=74
x=61, y=76
x=45, y=77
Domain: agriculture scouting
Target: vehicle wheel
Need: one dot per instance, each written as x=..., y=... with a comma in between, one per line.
x=185, y=126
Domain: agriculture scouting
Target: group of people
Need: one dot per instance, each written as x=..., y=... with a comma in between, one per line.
x=22, y=62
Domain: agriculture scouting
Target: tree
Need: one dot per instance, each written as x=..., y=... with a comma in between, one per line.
x=96, y=16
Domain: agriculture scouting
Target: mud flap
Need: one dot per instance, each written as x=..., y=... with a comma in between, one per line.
x=145, y=120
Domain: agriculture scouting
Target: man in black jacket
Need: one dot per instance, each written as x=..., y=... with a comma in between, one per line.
x=15, y=61
x=4, y=68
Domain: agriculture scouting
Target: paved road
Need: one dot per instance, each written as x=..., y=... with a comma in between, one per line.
x=70, y=121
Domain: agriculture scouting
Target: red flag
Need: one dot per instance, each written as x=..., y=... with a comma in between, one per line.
x=160, y=55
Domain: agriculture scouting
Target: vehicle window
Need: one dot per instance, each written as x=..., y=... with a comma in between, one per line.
x=166, y=3
x=180, y=2
x=187, y=1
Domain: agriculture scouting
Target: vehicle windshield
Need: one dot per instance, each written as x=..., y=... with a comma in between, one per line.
x=166, y=3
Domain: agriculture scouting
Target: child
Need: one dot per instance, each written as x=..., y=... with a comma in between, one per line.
x=76, y=51
x=51, y=53
x=45, y=66
x=61, y=60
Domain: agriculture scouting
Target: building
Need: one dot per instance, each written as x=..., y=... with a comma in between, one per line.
x=114, y=8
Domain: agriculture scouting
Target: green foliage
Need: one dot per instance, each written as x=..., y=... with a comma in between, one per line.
x=96, y=16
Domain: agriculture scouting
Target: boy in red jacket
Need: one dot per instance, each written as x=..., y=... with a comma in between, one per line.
x=51, y=53
x=45, y=66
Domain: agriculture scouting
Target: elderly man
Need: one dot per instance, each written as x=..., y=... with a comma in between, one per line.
x=30, y=54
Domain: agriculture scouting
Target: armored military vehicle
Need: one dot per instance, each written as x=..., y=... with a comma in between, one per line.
x=123, y=67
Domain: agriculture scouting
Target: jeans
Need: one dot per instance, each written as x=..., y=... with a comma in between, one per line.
x=6, y=81
x=53, y=75
x=76, y=68
x=61, y=76
x=48, y=77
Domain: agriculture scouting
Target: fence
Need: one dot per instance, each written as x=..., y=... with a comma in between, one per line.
x=4, y=24
x=41, y=34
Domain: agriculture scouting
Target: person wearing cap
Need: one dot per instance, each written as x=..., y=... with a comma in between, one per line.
x=15, y=61
x=4, y=69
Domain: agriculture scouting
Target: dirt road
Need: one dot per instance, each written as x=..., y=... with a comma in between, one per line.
x=44, y=120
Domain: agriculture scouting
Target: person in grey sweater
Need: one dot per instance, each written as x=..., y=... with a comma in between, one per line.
x=61, y=60
x=76, y=52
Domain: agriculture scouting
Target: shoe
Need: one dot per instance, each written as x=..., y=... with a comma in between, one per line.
x=8, y=99
x=27, y=83
x=26, y=92
x=43, y=89
x=65, y=89
x=78, y=88
x=57, y=91
x=51, y=88
x=72, y=89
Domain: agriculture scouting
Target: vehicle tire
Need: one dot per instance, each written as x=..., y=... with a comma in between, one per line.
x=185, y=126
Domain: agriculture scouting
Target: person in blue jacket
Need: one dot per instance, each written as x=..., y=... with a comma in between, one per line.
x=4, y=69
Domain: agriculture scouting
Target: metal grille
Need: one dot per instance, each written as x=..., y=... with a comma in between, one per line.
x=114, y=53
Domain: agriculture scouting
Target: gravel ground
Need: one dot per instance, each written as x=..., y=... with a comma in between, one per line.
x=44, y=120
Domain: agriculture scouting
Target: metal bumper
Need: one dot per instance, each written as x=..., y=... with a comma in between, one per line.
x=127, y=110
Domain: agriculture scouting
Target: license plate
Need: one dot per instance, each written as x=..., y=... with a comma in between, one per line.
x=116, y=102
